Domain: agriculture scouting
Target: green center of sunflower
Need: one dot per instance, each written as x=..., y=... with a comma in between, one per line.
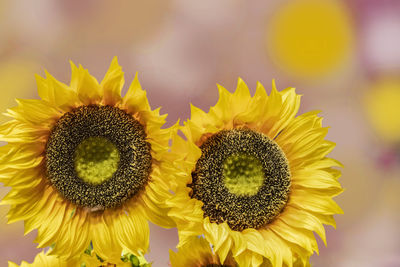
x=98, y=157
x=96, y=160
x=243, y=174
x=242, y=178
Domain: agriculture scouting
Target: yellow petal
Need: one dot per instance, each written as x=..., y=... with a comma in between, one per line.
x=271, y=111
x=326, y=219
x=154, y=212
x=240, y=98
x=224, y=250
x=112, y=83
x=290, y=107
x=308, y=143
x=196, y=252
x=221, y=110
x=36, y=112
x=239, y=243
x=26, y=203
x=132, y=231
x=315, y=202
x=249, y=259
x=198, y=115
x=324, y=163
x=57, y=93
x=279, y=251
x=48, y=230
x=103, y=237
x=135, y=99
x=255, y=241
x=315, y=179
x=303, y=237
x=297, y=127
x=85, y=85
x=24, y=179
x=260, y=93
x=218, y=236
x=302, y=219
x=74, y=234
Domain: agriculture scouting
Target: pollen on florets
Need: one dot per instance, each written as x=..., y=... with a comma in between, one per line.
x=242, y=178
x=98, y=156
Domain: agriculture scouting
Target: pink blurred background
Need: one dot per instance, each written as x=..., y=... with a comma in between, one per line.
x=181, y=49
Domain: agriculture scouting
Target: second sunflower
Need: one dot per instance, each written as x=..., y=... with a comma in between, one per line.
x=254, y=179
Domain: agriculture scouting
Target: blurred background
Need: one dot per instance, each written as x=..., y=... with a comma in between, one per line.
x=342, y=56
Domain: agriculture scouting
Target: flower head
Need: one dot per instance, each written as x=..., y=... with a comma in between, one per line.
x=87, y=259
x=254, y=179
x=85, y=165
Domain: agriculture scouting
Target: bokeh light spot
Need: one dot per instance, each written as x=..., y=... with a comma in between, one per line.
x=310, y=38
x=382, y=105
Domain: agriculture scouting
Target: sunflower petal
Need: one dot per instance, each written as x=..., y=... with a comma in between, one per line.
x=102, y=235
x=132, y=225
x=112, y=83
x=135, y=99
x=301, y=219
x=278, y=251
x=303, y=237
x=74, y=233
x=319, y=203
x=315, y=179
x=216, y=234
x=254, y=241
x=86, y=86
x=240, y=98
x=220, y=112
x=33, y=111
x=247, y=259
x=57, y=93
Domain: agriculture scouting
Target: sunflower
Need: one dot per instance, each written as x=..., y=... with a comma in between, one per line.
x=197, y=252
x=87, y=259
x=86, y=165
x=42, y=259
x=254, y=179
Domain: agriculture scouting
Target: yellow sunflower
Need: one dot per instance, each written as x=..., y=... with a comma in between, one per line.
x=197, y=252
x=42, y=259
x=254, y=178
x=87, y=259
x=86, y=165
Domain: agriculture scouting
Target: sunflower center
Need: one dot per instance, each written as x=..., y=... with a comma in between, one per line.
x=98, y=156
x=242, y=177
x=243, y=174
x=96, y=160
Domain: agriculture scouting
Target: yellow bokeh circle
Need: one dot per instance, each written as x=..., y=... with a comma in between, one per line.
x=382, y=103
x=310, y=38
